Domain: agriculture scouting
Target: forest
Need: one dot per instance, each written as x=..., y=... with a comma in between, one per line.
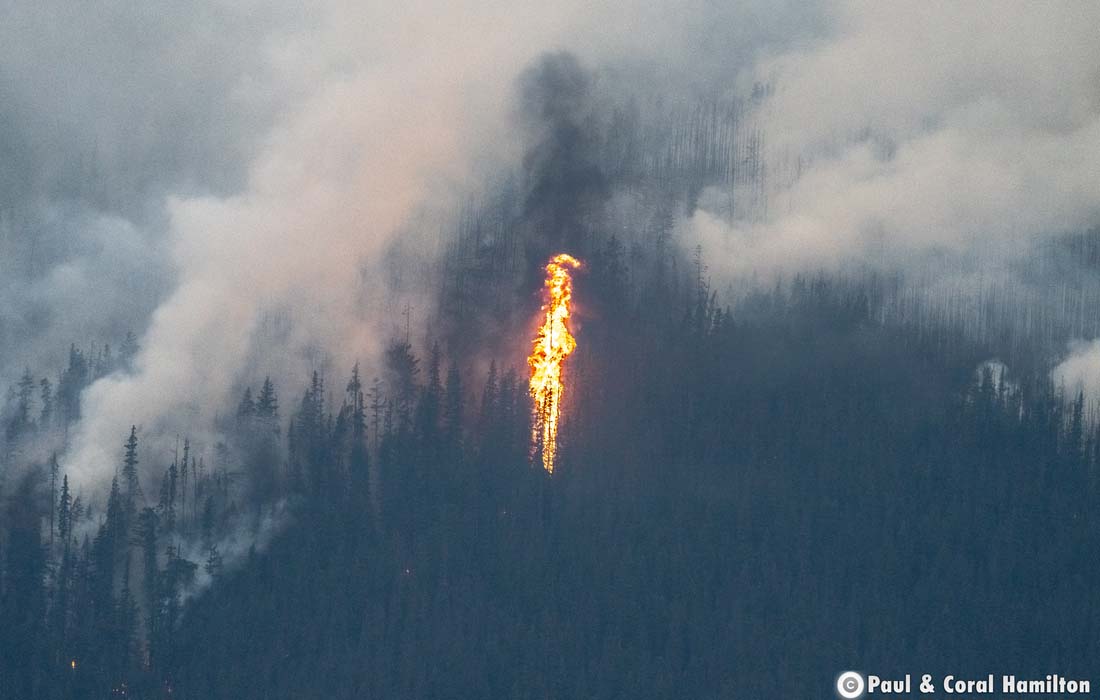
x=760, y=482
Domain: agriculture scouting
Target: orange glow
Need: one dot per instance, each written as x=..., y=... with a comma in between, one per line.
x=552, y=345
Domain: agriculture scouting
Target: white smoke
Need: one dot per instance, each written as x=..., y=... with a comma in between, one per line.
x=892, y=125
x=395, y=109
x=390, y=109
x=1080, y=370
x=235, y=545
x=923, y=126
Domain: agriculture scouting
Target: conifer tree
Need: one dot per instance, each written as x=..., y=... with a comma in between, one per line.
x=148, y=524
x=130, y=475
x=247, y=407
x=267, y=403
x=65, y=513
x=55, y=469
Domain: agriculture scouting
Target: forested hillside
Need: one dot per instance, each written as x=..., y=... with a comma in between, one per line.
x=785, y=480
x=761, y=481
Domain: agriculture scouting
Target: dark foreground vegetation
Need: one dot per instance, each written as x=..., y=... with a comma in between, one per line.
x=747, y=502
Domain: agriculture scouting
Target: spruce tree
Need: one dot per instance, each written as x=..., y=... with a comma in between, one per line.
x=267, y=403
x=247, y=407
x=129, y=473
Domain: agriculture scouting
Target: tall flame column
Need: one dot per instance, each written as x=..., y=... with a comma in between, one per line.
x=552, y=345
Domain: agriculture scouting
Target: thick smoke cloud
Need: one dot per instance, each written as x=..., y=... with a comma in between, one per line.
x=108, y=109
x=1080, y=370
x=959, y=140
x=920, y=127
x=329, y=186
x=565, y=183
x=355, y=122
x=231, y=178
x=105, y=108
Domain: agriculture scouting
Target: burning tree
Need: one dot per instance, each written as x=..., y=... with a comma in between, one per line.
x=552, y=345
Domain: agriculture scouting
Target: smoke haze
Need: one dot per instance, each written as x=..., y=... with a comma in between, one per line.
x=920, y=127
x=226, y=180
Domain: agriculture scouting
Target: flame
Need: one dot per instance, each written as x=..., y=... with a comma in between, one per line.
x=552, y=345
